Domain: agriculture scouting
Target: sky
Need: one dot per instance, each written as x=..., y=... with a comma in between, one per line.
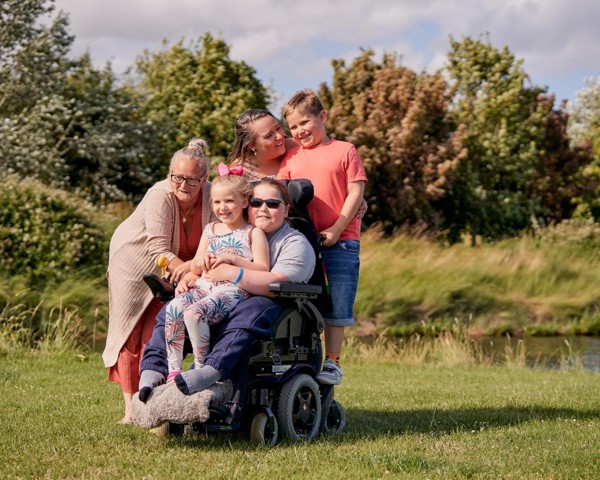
x=291, y=44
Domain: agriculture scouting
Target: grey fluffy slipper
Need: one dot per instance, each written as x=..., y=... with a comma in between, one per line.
x=168, y=404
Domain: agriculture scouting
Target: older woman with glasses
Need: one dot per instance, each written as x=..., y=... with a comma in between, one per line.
x=168, y=222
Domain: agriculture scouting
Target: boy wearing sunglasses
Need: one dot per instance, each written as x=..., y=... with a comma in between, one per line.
x=338, y=177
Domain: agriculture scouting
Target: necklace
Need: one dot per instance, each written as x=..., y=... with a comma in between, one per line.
x=257, y=172
x=187, y=213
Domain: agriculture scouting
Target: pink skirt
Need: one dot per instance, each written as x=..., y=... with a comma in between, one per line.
x=126, y=372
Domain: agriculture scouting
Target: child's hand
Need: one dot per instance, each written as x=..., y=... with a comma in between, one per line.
x=329, y=238
x=362, y=209
x=181, y=287
x=189, y=280
x=206, y=263
x=227, y=258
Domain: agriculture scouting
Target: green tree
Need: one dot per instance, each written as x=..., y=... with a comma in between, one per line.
x=561, y=184
x=504, y=124
x=197, y=91
x=399, y=121
x=33, y=61
x=62, y=121
x=584, y=130
x=110, y=150
x=33, y=53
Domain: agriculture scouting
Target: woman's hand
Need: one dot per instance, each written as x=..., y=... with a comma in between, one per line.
x=179, y=271
x=221, y=273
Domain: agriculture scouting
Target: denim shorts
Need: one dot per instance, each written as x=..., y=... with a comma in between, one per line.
x=342, y=264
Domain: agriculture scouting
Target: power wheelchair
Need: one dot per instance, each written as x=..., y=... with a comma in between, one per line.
x=278, y=396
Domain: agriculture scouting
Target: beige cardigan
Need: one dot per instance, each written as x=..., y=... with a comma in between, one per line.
x=151, y=230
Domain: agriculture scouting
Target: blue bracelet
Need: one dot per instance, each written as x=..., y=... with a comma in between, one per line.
x=239, y=277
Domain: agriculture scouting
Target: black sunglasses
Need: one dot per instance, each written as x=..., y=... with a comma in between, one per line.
x=271, y=202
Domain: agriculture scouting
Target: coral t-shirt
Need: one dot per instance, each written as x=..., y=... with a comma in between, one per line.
x=330, y=168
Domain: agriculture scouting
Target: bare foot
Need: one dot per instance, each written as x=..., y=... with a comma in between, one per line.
x=125, y=421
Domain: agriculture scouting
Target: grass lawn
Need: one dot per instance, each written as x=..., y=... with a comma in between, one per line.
x=58, y=420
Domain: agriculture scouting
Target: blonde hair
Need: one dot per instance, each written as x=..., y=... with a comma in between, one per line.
x=236, y=182
x=195, y=151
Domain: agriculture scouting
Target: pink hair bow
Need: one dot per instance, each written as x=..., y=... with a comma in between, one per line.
x=223, y=169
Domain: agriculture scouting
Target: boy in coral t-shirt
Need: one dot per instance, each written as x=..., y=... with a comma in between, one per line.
x=338, y=177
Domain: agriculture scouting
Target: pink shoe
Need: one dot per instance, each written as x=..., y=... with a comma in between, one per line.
x=172, y=375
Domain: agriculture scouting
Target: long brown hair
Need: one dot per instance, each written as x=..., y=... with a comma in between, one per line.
x=244, y=135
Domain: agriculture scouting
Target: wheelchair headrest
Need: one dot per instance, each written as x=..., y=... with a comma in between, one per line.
x=301, y=192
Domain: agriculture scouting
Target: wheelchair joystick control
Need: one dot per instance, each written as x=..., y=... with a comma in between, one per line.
x=162, y=263
x=160, y=286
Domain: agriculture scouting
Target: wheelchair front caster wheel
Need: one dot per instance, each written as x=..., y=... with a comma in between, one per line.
x=263, y=430
x=335, y=421
x=169, y=429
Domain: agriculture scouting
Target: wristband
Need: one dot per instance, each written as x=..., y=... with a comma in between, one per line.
x=239, y=277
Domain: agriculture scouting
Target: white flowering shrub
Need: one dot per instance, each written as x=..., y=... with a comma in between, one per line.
x=63, y=121
x=584, y=122
x=584, y=232
x=91, y=145
x=47, y=233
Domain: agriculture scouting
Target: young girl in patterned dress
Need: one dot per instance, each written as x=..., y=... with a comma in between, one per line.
x=232, y=240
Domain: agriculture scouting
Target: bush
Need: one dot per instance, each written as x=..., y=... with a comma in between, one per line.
x=584, y=232
x=46, y=233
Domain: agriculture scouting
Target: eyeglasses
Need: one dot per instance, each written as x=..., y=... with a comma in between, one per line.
x=272, y=203
x=191, y=181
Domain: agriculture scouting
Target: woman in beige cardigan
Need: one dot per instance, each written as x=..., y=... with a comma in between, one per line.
x=168, y=221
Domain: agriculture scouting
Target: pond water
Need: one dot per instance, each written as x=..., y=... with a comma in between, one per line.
x=551, y=352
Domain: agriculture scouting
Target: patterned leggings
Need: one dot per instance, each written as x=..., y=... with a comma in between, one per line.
x=204, y=305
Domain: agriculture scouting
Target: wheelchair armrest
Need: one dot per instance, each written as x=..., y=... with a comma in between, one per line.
x=295, y=290
x=161, y=288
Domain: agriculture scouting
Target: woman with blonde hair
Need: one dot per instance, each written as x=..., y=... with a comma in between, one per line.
x=168, y=222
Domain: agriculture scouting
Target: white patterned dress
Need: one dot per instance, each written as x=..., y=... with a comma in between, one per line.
x=205, y=304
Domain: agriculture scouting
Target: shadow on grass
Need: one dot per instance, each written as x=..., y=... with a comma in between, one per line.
x=363, y=424
x=445, y=421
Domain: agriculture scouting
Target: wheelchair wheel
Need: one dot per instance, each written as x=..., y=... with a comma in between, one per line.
x=335, y=421
x=299, y=408
x=169, y=429
x=263, y=431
